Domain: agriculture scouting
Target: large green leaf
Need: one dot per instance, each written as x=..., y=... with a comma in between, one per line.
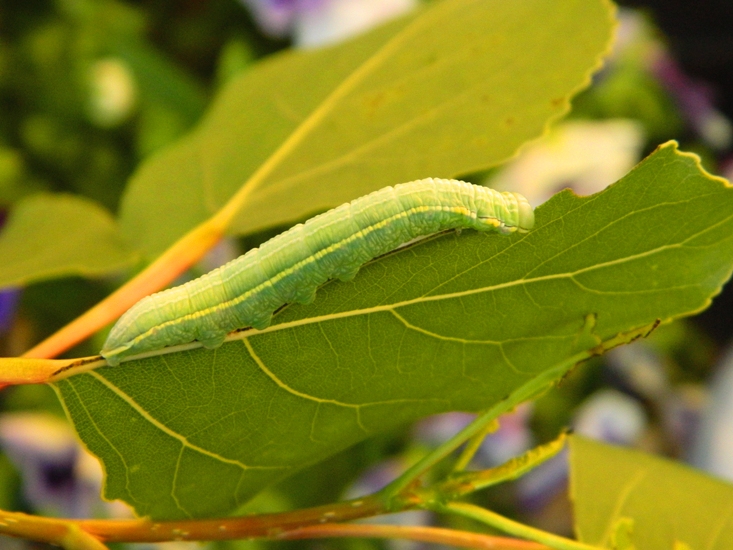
x=457, y=87
x=666, y=502
x=454, y=322
x=57, y=235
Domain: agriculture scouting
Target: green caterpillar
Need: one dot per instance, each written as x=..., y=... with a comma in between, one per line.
x=291, y=266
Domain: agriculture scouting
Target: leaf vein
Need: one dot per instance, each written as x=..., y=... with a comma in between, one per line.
x=174, y=481
x=111, y=445
x=447, y=296
x=271, y=375
x=166, y=430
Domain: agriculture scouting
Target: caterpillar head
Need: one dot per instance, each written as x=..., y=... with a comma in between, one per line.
x=525, y=214
x=507, y=212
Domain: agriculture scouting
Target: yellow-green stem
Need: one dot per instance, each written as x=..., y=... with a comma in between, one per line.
x=511, y=527
x=434, y=535
x=472, y=446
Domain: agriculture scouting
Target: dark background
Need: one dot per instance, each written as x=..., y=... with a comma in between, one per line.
x=700, y=37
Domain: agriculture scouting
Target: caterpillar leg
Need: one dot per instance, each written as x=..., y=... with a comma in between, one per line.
x=305, y=296
x=346, y=276
x=261, y=322
x=211, y=340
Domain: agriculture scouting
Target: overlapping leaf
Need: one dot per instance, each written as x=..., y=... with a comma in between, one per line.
x=662, y=502
x=457, y=87
x=455, y=322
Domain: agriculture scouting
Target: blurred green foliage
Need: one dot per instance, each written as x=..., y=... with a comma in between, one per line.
x=90, y=87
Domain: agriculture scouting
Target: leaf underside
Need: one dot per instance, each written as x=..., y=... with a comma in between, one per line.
x=456, y=322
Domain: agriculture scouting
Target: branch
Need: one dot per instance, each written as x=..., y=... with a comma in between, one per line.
x=435, y=535
x=317, y=522
x=62, y=531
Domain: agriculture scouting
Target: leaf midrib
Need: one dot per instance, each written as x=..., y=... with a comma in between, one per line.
x=460, y=294
x=229, y=211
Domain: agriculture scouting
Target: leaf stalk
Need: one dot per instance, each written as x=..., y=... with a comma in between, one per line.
x=512, y=527
x=434, y=535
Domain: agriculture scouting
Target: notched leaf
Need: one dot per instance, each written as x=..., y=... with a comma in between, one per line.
x=453, y=323
x=425, y=96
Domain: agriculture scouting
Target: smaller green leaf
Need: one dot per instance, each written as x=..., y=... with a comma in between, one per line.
x=670, y=504
x=58, y=235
